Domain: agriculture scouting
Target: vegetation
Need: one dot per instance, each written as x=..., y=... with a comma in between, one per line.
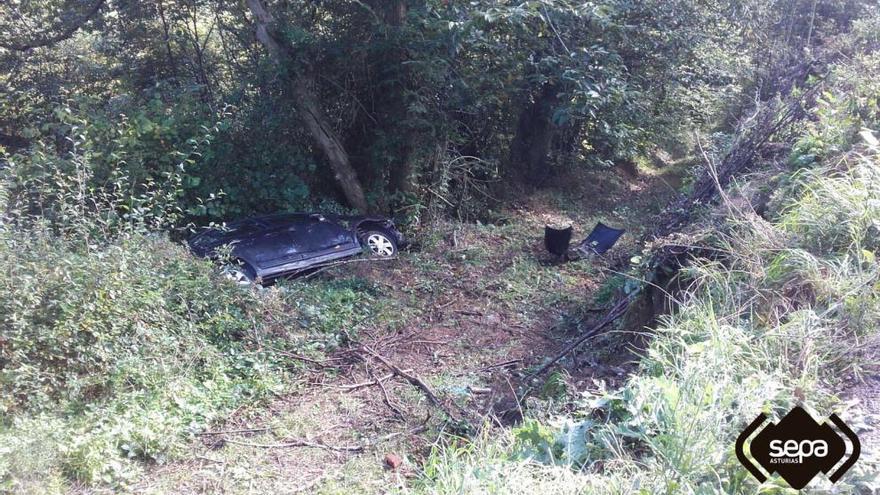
x=126, y=364
x=370, y=105
x=118, y=352
x=784, y=317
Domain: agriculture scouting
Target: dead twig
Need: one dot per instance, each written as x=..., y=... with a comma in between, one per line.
x=445, y=305
x=753, y=139
x=323, y=364
x=413, y=380
x=377, y=381
x=618, y=310
x=503, y=364
x=479, y=390
x=387, y=400
x=297, y=443
x=224, y=432
x=391, y=436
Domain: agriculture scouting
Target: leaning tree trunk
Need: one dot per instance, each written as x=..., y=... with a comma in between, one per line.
x=309, y=109
x=313, y=117
x=534, y=133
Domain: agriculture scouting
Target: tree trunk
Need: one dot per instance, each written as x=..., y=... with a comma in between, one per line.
x=166, y=32
x=309, y=110
x=394, y=14
x=534, y=133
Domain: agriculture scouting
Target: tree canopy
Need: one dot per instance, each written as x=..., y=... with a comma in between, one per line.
x=365, y=104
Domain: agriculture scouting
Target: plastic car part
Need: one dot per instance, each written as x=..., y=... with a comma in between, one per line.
x=556, y=241
x=601, y=239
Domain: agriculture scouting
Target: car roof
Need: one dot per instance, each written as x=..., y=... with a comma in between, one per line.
x=279, y=218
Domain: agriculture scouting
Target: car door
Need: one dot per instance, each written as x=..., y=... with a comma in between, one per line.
x=290, y=238
x=321, y=236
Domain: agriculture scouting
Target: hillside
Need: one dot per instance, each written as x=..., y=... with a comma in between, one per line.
x=736, y=143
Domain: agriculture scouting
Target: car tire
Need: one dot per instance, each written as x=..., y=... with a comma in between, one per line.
x=379, y=243
x=241, y=273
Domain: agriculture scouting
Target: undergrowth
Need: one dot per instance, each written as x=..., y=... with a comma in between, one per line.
x=787, y=315
x=117, y=346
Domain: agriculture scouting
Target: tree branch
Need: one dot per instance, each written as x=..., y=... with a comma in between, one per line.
x=46, y=39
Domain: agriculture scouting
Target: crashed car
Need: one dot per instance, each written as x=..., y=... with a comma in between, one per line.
x=265, y=248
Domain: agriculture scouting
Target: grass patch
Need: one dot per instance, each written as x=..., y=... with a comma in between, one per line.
x=115, y=355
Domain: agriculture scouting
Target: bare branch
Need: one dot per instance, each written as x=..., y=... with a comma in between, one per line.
x=46, y=39
x=298, y=443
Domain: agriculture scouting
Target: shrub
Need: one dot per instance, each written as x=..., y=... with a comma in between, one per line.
x=116, y=344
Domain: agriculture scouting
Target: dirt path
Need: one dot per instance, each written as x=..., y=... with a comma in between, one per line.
x=472, y=311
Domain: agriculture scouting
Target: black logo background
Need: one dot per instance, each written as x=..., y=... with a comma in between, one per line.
x=798, y=425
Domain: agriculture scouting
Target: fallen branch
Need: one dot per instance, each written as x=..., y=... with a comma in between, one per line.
x=377, y=381
x=753, y=139
x=479, y=390
x=297, y=443
x=618, y=310
x=387, y=400
x=469, y=313
x=413, y=380
x=445, y=305
x=297, y=357
x=435, y=342
x=224, y=432
x=502, y=364
x=390, y=436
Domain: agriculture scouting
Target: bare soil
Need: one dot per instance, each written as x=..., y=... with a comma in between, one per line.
x=477, y=307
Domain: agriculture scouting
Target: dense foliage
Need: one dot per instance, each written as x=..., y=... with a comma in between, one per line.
x=117, y=345
x=404, y=90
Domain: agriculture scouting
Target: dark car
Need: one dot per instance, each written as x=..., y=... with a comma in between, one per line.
x=267, y=247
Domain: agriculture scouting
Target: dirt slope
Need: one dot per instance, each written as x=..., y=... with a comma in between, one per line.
x=470, y=312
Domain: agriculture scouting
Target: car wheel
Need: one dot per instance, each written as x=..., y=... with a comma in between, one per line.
x=241, y=273
x=380, y=243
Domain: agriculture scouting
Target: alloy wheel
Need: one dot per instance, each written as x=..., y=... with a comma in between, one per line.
x=380, y=245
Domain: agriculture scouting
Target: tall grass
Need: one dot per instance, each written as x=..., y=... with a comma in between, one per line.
x=784, y=317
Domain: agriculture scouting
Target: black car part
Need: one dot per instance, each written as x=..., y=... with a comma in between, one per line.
x=275, y=245
x=601, y=239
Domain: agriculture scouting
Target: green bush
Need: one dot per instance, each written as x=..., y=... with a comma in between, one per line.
x=124, y=347
x=116, y=344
